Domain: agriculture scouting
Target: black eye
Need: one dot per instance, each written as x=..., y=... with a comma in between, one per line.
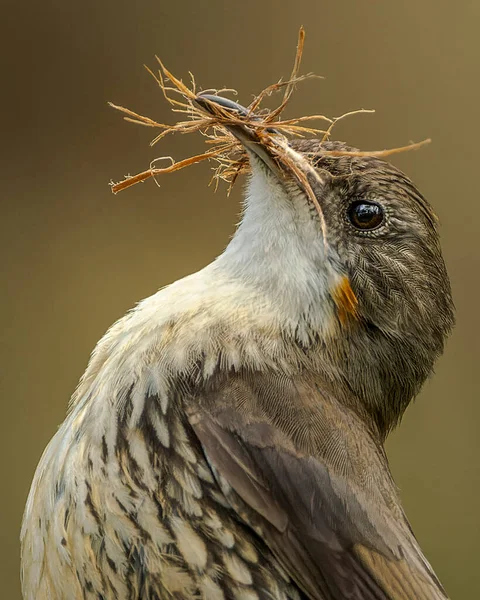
x=365, y=215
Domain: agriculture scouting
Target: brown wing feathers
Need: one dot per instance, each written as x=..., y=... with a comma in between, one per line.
x=315, y=485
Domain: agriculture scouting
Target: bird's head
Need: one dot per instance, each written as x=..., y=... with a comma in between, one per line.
x=348, y=249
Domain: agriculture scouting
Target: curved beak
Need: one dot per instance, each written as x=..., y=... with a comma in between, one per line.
x=247, y=136
x=269, y=146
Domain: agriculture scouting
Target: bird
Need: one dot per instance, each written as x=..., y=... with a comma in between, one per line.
x=227, y=438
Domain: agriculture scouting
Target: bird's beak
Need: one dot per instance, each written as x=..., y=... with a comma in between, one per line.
x=268, y=145
x=247, y=136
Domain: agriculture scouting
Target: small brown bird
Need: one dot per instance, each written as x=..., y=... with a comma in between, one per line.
x=226, y=440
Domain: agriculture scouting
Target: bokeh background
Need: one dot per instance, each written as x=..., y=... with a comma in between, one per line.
x=75, y=257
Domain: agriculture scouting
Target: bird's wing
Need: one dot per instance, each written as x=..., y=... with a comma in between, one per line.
x=306, y=475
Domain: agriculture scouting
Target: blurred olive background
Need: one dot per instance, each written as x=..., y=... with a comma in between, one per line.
x=75, y=257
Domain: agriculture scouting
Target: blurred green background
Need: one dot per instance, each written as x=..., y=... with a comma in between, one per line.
x=75, y=257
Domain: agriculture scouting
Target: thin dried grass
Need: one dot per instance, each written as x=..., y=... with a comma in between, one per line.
x=226, y=151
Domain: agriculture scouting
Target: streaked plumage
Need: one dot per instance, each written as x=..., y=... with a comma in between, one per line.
x=226, y=440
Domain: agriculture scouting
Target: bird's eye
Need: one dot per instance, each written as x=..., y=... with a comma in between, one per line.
x=365, y=215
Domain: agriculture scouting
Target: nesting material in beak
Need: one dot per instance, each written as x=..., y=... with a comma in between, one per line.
x=232, y=130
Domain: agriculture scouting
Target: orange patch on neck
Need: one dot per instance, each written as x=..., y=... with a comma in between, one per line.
x=345, y=300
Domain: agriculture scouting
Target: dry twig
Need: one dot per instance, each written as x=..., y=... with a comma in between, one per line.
x=227, y=152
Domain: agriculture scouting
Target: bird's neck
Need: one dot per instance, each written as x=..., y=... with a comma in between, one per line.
x=278, y=256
